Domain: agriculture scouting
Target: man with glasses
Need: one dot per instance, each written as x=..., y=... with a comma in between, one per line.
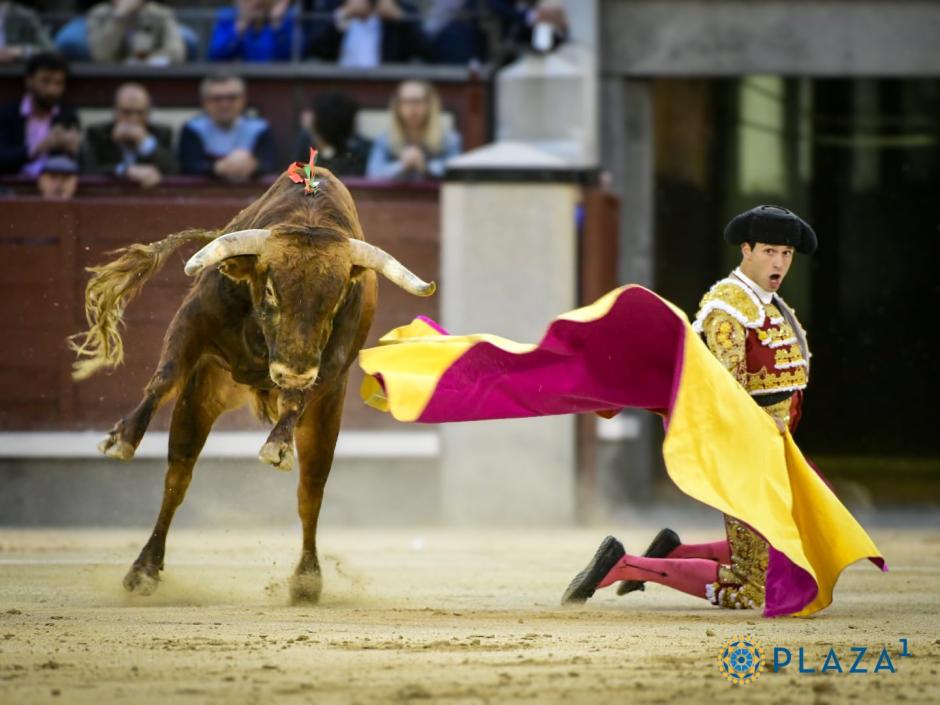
x=130, y=146
x=222, y=141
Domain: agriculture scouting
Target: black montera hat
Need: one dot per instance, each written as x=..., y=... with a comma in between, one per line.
x=773, y=225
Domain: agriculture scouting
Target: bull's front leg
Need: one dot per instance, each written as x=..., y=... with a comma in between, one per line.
x=316, y=440
x=207, y=393
x=278, y=450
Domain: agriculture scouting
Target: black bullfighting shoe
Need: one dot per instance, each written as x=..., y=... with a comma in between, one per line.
x=666, y=542
x=582, y=587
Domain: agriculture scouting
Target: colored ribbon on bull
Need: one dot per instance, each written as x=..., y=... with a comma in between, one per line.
x=301, y=173
x=634, y=349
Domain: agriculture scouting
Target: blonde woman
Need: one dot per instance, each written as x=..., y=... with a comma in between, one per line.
x=417, y=145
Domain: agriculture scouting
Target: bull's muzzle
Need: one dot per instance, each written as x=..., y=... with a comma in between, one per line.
x=284, y=376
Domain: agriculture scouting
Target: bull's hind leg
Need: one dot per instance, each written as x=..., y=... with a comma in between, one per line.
x=278, y=450
x=180, y=352
x=316, y=440
x=208, y=392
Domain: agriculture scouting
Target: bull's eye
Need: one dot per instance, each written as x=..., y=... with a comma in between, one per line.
x=269, y=296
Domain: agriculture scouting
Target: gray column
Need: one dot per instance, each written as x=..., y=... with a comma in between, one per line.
x=626, y=453
x=509, y=263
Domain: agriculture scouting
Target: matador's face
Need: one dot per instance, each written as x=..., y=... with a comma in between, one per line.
x=766, y=265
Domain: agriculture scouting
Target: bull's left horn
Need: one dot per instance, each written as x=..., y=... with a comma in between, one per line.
x=370, y=256
x=240, y=242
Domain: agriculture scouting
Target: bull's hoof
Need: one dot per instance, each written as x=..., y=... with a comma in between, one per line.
x=115, y=448
x=278, y=454
x=142, y=580
x=305, y=588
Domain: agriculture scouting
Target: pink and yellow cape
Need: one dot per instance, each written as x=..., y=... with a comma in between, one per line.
x=632, y=348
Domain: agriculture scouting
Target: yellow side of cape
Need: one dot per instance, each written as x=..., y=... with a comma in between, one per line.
x=724, y=450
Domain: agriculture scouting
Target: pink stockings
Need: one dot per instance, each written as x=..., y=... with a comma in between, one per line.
x=689, y=567
x=689, y=575
x=719, y=551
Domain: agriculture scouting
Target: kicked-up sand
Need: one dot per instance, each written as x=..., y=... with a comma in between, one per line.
x=433, y=616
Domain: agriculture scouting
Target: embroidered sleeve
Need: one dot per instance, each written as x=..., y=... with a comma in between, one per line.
x=725, y=338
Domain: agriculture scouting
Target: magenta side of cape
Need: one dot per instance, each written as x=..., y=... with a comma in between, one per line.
x=626, y=358
x=631, y=357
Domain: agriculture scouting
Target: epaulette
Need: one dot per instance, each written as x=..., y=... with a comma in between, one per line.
x=734, y=298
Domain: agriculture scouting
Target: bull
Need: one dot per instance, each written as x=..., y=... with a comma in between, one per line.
x=282, y=301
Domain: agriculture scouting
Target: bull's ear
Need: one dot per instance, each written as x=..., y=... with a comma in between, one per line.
x=239, y=268
x=357, y=273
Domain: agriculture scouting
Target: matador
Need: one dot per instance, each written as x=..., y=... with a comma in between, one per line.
x=757, y=337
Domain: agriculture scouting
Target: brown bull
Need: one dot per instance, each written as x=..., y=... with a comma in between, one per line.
x=280, y=307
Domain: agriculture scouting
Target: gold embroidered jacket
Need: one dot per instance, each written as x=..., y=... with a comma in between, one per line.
x=762, y=345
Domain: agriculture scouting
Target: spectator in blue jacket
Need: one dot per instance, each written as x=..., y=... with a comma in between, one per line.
x=416, y=145
x=222, y=141
x=253, y=30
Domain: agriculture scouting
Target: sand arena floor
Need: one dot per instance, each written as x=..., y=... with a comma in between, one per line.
x=427, y=616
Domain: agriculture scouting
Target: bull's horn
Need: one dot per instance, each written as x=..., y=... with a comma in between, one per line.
x=240, y=242
x=370, y=256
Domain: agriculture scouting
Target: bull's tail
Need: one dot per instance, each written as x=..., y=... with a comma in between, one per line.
x=110, y=289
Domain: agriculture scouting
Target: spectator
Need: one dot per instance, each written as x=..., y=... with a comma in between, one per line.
x=21, y=34
x=366, y=33
x=417, y=145
x=222, y=141
x=254, y=30
x=58, y=178
x=455, y=37
x=330, y=127
x=134, y=31
x=535, y=24
x=40, y=123
x=130, y=146
x=71, y=39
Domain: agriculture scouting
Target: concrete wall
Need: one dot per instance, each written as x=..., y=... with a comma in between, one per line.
x=731, y=37
x=225, y=493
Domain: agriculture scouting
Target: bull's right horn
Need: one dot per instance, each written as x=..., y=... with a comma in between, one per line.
x=370, y=256
x=240, y=242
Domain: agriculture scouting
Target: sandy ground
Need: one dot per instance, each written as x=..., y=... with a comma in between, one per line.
x=427, y=616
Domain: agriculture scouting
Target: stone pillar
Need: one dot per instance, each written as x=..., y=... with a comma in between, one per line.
x=509, y=265
x=627, y=448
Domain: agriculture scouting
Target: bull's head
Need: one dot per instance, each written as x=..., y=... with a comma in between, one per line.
x=299, y=280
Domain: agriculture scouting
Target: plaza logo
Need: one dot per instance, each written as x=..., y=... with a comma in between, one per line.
x=741, y=660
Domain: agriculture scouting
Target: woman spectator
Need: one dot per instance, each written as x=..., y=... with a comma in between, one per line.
x=253, y=30
x=416, y=146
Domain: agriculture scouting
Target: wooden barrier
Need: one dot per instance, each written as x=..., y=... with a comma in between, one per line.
x=45, y=247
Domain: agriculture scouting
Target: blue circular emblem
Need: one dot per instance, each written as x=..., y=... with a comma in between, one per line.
x=741, y=660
